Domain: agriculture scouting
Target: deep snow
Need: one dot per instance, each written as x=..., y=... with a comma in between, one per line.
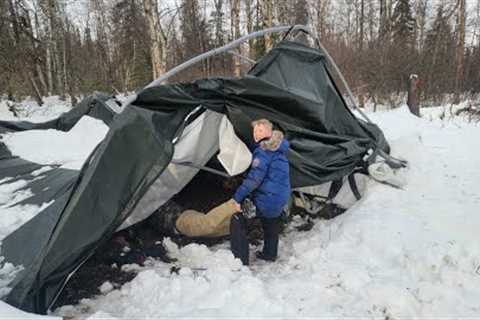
x=396, y=253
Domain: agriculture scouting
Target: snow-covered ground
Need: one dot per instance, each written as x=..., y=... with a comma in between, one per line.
x=396, y=253
x=11, y=313
x=30, y=111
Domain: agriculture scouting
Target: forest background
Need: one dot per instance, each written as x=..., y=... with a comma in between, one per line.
x=71, y=48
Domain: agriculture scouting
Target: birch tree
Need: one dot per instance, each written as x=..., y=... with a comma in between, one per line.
x=460, y=50
x=157, y=48
x=235, y=27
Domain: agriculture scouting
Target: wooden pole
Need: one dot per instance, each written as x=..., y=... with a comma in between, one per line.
x=412, y=100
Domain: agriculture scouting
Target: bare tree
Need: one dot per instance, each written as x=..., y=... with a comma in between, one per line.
x=235, y=27
x=249, y=13
x=460, y=50
x=266, y=7
x=157, y=48
x=362, y=23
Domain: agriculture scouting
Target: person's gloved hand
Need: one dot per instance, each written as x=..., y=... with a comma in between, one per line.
x=248, y=209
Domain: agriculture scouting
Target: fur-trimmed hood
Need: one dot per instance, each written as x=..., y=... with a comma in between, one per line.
x=275, y=142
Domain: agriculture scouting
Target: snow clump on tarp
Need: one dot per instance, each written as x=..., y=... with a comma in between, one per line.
x=52, y=147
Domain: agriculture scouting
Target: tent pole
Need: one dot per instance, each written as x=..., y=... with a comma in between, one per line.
x=233, y=53
x=344, y=82
x=229, y=46
x=225, y=48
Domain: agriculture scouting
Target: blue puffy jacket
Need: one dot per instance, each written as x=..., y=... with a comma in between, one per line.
x=268, y=180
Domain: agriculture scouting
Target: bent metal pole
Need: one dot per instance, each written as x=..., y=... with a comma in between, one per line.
x=344, y=82
x=223, y=49
x=214, y=52
x=238, y=42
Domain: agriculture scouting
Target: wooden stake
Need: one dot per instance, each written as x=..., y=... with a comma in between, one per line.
x=412, y=100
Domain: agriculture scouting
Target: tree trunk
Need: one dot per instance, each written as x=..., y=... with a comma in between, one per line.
x=383, y=21
x=38, y=67
x=37, y=94
x=460, y=51
x=322, y=14
x=249, y=14
x=156, y=43
x=48, y=67
x=65, y=65
x=371, y=20
x=54, y=39
x=283, y=9
x=41, y=78
x=235, y=19
x=52, y=51
x=26, y=74
x=421, y=22
x=362, y=22
x=267, y=14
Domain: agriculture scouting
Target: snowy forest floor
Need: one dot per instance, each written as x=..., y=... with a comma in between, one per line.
x=395, y=254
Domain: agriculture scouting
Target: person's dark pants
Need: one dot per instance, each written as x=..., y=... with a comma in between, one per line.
x=271, y=229
x=239, y=238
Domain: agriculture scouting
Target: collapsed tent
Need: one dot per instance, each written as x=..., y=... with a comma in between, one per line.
x=159, y=142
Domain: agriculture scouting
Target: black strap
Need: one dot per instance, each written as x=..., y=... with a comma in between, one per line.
x=335, y=188
x=211, y=170
x=353, y=186
x=287, y=33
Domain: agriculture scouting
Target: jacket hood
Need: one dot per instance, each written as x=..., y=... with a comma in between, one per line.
x=275, y=142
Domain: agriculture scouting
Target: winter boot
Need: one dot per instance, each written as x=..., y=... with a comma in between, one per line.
x=163, y=220
x=260, y=255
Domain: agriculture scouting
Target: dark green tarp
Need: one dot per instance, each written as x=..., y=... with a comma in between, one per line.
x=290, y=85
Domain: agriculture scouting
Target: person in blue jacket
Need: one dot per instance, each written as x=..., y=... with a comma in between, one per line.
x=268, y=184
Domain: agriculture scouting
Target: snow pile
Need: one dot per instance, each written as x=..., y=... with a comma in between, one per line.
x=13, y=216
x=52, y=147
x=395, y=254
x=7, y=273
x=5, y=113
x=29, y=110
